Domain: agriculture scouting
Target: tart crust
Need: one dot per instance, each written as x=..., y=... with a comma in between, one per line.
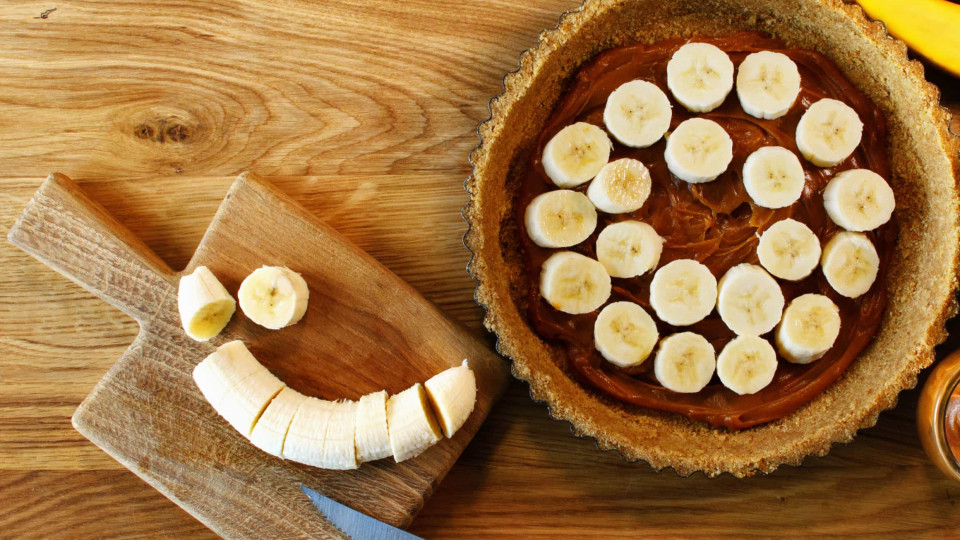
x=925, y=162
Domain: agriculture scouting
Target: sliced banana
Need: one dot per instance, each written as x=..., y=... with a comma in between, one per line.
x=637, y=114
x=205, y=305
x=620, y=186
x=412, y=425
x=304, y=442
x=339, y=449
x=789, y=250
x=219, y=372
x=858, y=200
x=372, y=437
x=773, y=177
x=575, y=154
x=700, y=76
x=850, y=263
x=828, y=132
x=683, y=292
x=810, y=326
x=453, y=394
x=747, y=364
x=274, y=297
x=574, y=283
x=629, y=248
x=768, y=84
x=560, y=218
x=625, y=334
x=698, y=151
x=685, y=362
x=271, y=429
x=749, y=301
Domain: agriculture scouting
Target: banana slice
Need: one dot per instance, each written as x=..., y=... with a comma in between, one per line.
x=700, y=76
x=271, y=429
x=683, y=292
x=773, y=177
x=637, y=114
x=205, y=305
x=810, y=326
x=768, y=84
x=850, y=263
x=339, y=449
x=574, y=283
x=219, y=372
x=828, y=132
x=575, y=154
x=789, y=250
x=412, y=426
x=625, y=334
x=560, y=218
x=698, y=151
x=620, y=186
x=372, y=437
x=274, y=297
x=453, y=394
x=747, y=364
x=685, y=362
x=858, y=200
x=304, y=442
x=629, y=248
x=750, y=302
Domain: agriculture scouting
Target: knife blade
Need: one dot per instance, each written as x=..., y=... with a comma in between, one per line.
x=354, y=524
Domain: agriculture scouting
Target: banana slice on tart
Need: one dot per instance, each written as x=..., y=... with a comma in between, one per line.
x=700, y=76
x=698, y=151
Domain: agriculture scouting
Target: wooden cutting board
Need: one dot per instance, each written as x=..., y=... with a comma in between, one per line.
x=365, y=329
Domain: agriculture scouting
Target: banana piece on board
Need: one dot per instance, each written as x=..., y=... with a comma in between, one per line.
x=274, y=297
x=453, y=395
x=204, y=304
x=305, y=438
x=411, y=423
x=271, y=429
x=372, y=437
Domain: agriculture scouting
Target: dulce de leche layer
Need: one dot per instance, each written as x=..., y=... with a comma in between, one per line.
x=715, y=223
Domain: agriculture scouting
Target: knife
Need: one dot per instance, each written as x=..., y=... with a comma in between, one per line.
x=354, y=524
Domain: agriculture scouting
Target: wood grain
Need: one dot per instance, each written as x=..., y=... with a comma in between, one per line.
x=267, y=96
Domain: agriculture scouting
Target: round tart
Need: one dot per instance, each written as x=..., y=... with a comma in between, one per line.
x=919, y=278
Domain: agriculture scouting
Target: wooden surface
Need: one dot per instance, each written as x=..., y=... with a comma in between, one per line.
x=365, y=115
x=365, y=330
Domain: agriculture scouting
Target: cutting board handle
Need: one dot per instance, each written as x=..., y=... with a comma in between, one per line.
x=65, y=229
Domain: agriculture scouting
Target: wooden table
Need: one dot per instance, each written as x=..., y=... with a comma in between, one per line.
x=365, y=114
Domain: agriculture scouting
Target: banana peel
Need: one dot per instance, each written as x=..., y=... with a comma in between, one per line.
x=930, y=27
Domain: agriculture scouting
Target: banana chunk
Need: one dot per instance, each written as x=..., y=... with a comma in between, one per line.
x=205, y=305
x=810, y=326
x=625, y=334
x=271, y=429
x=629, y=248
x=305, y=438
x=698, y=151
x=789, y=250
x=683, y=292
x=700, y=76
x=750, y=302
x=274, y=297
x=575, y=154
x=339, y=448
x=372, y=437
x=768, y=84
x=685, y=362
x=621, y=186
x=773, y=177
x=453, y=394
x=574, y=283
x=411, y=423
x=747, y=364
x=828, y=132
x=850, y=263
x=637, y=114
x=560, y=218
x=858, y=200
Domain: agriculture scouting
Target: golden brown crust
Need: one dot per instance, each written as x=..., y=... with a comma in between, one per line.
x=925, y=160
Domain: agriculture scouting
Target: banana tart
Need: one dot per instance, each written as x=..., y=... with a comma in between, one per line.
x=716, y=236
